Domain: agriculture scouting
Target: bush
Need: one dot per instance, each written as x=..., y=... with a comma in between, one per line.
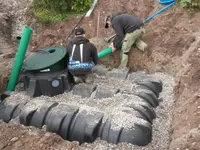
x=58, y=10
x=191, y=4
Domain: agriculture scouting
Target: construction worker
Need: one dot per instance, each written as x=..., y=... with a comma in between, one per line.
x=82, y=56
x=128, y=30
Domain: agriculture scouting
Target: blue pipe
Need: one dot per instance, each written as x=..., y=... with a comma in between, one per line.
x=170, y=2
x=166, y=1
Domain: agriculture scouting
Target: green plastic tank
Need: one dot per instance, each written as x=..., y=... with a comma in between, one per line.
x=49, y=59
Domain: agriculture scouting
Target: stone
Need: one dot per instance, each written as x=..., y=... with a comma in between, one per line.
x=105, y=92
x=84, y=90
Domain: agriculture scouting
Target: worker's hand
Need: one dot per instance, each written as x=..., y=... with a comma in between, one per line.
x=113, y=47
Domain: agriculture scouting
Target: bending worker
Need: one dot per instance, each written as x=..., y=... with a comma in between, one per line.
x=82, y=56
x=128, y=30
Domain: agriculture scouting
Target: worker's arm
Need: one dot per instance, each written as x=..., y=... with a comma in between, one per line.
x=113, y=47
x=94, y=55
x=117, y=26
x=68, y=47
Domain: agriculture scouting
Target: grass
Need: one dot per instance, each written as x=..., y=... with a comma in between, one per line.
x=193, y=5
x=46, y=16
x=50, y=11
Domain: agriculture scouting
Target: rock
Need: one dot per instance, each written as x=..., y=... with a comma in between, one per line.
x=84, y=90
x=100, y=70
x=14, y=139
x=121, y=74
x=105, y=92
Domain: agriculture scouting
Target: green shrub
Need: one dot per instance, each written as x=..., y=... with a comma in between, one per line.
x=58, y=10
x=191, y=4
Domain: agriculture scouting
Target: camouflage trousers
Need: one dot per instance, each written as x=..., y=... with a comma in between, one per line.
x=131, y=39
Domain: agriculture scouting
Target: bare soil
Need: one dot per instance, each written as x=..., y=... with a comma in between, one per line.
x=20, y=137
x=174, y=47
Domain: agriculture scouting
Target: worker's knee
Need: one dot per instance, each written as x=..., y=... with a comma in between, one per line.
x=141, y=45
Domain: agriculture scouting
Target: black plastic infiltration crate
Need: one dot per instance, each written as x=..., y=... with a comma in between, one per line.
x=47, y=83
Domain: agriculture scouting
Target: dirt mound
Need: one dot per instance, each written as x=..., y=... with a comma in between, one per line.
x=6, y=49
x=31, y=139
x=5, y=33
x=185, y=127
x=4, y=72
x=12, y=21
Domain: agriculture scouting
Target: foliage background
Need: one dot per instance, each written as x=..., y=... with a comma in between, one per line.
x=47, y=11
x=191, y=4
x=57, y=10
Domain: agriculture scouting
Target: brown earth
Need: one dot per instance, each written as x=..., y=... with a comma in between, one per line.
x=6, y=49
x=31, y=139
x=174, y=48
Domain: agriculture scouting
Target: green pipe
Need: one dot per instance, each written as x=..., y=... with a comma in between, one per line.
x=23, y=45
x=108, y=51
x=104, y=52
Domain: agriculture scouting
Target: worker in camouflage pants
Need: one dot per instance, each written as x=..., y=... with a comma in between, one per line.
x=129, y=30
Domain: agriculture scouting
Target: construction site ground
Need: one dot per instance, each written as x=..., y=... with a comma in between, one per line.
x=174, y=49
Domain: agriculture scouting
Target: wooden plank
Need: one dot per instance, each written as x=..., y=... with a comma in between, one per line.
x=98, y=23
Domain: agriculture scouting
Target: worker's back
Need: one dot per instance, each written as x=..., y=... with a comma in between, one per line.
x=82, y=56
x=88, y=53
x=127, y=22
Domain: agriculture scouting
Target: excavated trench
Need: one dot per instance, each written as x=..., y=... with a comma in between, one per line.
x=117, y=112
x=121, y=107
